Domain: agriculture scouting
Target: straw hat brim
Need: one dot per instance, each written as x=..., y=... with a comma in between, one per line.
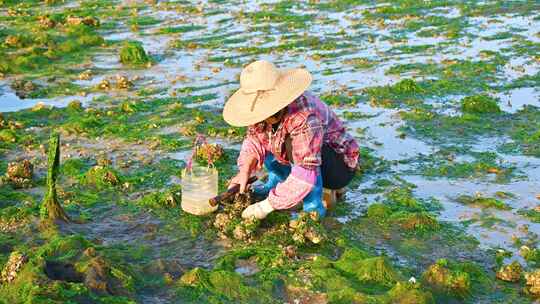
x=289, y=85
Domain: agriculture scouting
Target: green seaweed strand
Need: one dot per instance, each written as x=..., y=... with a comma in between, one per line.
x=51, y=208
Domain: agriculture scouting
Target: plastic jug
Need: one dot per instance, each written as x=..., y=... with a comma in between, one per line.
x=198, y=186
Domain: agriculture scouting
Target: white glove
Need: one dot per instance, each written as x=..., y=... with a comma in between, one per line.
x=259, y=210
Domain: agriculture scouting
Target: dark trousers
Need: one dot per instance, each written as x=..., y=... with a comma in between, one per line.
x=335, y=173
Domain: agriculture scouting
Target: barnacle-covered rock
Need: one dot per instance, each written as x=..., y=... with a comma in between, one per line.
x=221, y=221
x=532, y=286
x=123, y=82
x=290, y=251
x=444, y=279
x=89, y=21
x=104, y=84
x=229, y=222
x=46, y=22
x=246, y=229
x=23, y=88
x=12, y=41
x=14, y=264
x=85, y=75
x=306, y=227
x=510, y=272
x=19, y=173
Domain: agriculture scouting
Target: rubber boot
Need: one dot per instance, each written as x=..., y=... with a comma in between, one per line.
x=277, y=173
x=313, y=201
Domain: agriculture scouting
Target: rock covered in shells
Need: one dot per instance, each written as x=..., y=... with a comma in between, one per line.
x=85, y=75
x=23, y=88
x=307, y=228
x=119, y=82
x=14, y=264
x=290, y=251
x=229, y=222
x=532, y=286
x=510, y=272
x=104, y=84
x=12, y=41
x=221, y=221
x=246, y=229
x=123, y=82
x=46, y=22
x=89, y=21
x=19, y=173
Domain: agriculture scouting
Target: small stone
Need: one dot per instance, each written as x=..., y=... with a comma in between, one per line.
x=290, y=251
x=90, y=252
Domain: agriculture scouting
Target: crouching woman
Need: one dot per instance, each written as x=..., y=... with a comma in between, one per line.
x=298, y=139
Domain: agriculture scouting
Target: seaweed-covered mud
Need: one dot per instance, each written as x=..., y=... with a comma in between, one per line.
x=443, y=97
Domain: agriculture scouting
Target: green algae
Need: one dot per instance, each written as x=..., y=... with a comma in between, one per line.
x=218, y=286
x=484, y=202
x=180, y=29
x=50, y=207
x=133, y=53
x=486, y=165
x=101, y=177
x=480, y=104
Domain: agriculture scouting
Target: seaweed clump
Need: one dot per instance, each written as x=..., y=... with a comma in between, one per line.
x=19, y=174
x=480, y=104
x=133, y=53
x=50, y=207
x=101, y=177
x=366, y=269
x=486, y=202
x=442, y=278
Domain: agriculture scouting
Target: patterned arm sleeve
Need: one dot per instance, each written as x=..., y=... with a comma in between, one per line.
x=252, y=147
x=307, y=137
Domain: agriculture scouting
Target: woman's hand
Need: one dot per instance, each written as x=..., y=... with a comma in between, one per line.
x=243, y=175
x=240, y=179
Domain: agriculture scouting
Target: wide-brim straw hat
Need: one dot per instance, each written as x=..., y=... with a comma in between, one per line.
x=264, y=91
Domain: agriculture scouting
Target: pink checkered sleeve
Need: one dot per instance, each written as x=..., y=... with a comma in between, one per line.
x=307, y=138
x=252, y=147
x=293, y=190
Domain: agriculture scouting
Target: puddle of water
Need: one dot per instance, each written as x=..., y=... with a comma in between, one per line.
x=514, y=100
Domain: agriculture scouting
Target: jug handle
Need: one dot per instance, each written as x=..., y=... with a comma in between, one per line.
x=199, y=141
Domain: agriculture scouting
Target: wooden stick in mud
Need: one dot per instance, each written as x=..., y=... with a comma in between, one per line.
x=229, y=193
x=51, y=208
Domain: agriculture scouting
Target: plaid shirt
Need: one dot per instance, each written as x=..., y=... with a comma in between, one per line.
x=308, y=123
